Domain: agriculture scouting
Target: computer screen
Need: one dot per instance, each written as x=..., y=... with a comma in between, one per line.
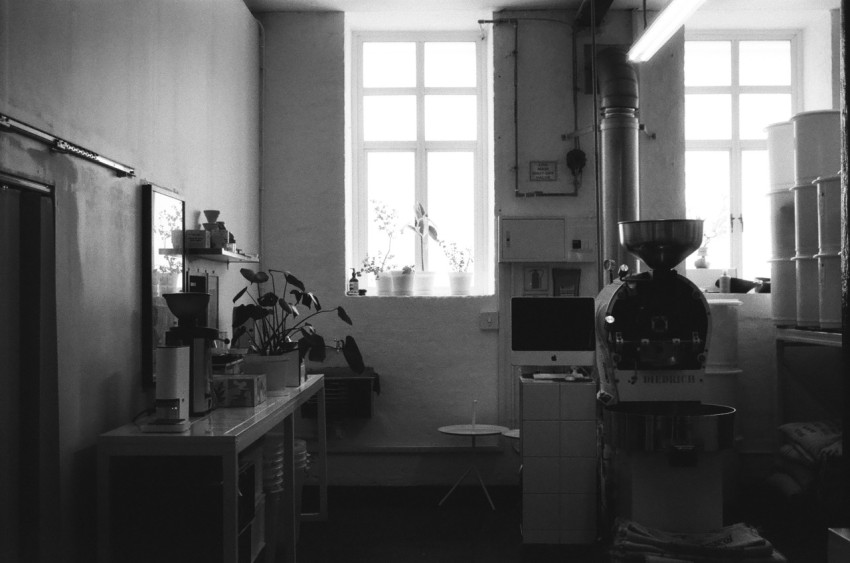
x=552, y=331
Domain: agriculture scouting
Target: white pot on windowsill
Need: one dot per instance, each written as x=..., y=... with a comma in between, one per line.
x=423, y=283
x=402, y=283
x=460, y=283
x=384, y=283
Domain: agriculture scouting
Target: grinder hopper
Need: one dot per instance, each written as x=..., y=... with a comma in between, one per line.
x=661, y=244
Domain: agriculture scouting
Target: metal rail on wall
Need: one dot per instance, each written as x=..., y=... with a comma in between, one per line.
x=63, y=146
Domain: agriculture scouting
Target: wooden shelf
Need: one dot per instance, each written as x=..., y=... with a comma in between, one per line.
x=812, y=337
x=220, y=255
x=214, y=254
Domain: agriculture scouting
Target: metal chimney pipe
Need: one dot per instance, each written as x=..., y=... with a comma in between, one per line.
x=619, y=128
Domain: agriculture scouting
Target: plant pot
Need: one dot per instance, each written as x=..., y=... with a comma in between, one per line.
x=423, y=283
x=281, y=371
x=403, y=284
x=460, y=283
x=385, y=284
x=702, y=260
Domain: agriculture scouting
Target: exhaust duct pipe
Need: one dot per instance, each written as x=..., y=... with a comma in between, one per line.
x=619, y=128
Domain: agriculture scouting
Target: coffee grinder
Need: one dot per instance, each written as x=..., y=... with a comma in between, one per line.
x=190, y=308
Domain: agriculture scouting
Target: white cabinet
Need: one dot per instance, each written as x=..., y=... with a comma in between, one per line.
x=559, y=461
x=547, y=239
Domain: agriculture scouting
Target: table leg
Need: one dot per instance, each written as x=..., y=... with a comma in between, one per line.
x=465, y=473
x=290, y=511
x=484, y=488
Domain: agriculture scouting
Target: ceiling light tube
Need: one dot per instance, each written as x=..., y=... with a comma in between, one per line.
x=662, y=28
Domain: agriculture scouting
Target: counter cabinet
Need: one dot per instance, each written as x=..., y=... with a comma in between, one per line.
x=198, y=495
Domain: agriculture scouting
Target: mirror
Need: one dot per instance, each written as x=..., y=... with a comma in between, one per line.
x=163, y=269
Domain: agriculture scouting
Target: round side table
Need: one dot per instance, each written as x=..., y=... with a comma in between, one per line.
x=472, y=431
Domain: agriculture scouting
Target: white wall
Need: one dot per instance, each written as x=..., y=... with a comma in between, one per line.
x=429, y=352
x=169, y=87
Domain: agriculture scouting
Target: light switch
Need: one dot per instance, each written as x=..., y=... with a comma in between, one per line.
x=488, y=320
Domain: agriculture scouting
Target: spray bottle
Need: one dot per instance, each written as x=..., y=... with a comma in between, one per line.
x=725, y=283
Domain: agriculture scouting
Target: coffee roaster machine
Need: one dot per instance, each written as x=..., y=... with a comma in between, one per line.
x=664, y=448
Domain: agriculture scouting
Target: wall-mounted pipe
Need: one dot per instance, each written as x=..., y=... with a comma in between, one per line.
x=619, y=128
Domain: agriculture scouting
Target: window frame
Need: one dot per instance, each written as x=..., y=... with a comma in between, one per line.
x=482, y=229
x=735, y=147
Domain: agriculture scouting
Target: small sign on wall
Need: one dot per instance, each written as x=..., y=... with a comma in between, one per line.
x=543, y=171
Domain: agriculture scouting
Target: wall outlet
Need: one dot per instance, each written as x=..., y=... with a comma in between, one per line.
x=488, y=320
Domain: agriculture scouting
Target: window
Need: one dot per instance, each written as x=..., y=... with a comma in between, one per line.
x=735, y=86
x=419, y=136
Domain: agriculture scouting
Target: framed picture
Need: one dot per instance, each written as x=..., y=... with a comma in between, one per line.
x=163, y=269
x=535, y=280
x=566, y=282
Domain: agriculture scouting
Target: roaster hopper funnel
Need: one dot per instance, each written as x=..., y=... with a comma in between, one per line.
x=661, y=244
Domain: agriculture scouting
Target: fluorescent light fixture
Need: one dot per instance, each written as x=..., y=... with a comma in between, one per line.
x=665, y=25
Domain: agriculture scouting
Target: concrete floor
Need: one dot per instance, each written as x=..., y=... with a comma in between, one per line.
x=405, y=525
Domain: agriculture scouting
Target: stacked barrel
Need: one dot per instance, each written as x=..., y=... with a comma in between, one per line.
x=829, y=251
x=806, y=276
x=783, y=279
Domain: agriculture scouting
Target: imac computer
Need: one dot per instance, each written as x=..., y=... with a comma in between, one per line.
x=552, y=331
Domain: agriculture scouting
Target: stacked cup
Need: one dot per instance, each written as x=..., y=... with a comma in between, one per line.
x=817, y=150
x=783, y=278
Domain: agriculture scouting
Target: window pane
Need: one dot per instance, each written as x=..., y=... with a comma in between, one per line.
x=765, y=63
x=389, y=118
x=760, y=110
x=450, y=118
x=708, y=116
x=708, y=63
x=707, y=198
x=450, y=64
x=390, y=178
x=389, y=65
x=757, y=243
x=451, y=180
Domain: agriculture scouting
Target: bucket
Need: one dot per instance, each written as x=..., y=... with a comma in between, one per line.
x=829, y=291
x=805, y=219
x=782, y=228
x=723, y=352
x=808, y=294
x=783, y=291
x=780, y=150
x=829, y=214
x=817, y=144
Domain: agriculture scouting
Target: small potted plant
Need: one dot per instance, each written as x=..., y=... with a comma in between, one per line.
x=380, y=265
x=460, y=279
x=424, y=228
x=278, y=333
x=403, y=281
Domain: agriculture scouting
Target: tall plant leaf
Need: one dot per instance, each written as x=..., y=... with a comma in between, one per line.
x=268, y=300
x=292, y=280
x=240, y=294
x=340, y=312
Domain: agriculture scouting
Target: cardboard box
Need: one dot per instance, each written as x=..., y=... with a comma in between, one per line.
x=243, y=390
x=197, y=239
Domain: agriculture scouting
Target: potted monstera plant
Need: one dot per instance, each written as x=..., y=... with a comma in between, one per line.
x=276, y=327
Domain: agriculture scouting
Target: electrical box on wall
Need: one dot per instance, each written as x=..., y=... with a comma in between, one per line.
x=547, y=239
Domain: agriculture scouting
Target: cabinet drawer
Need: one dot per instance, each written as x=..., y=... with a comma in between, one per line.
x=576, y=475
x=540, y=512
x=540, y=438
x=578, y=512
x=540, y=401
x=578, y=438
x=578, y=401
x=541, y=474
